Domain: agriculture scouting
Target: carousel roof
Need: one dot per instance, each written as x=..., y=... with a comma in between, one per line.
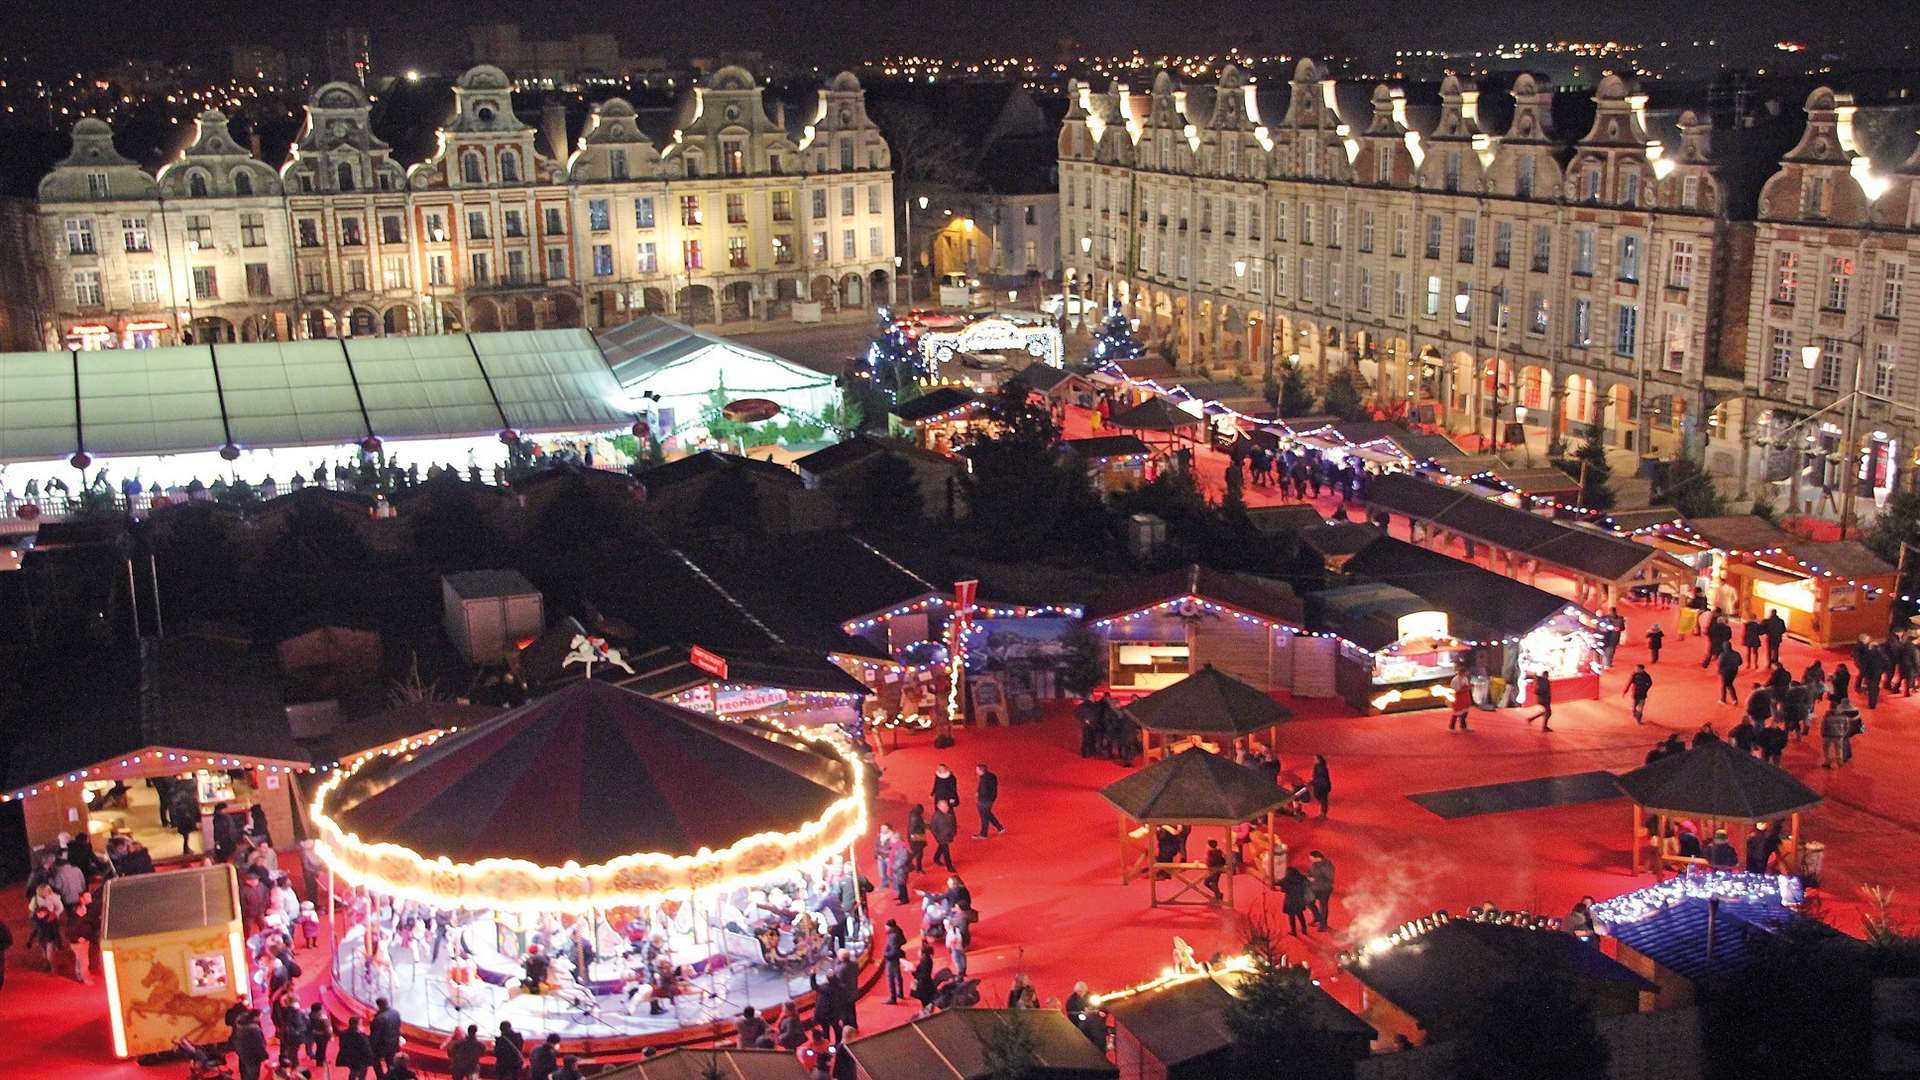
x=588, y=774
x=1718, y=780
x=1209, y=702
x=1194, y=786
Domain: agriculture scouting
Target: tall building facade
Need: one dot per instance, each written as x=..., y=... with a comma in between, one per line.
x=732, y=218
x=1556, y=280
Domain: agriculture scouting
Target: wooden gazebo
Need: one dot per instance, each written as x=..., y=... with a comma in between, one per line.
x=1193, y=787
x=1720, y=785
x=1162, y=417
x=1208, y=704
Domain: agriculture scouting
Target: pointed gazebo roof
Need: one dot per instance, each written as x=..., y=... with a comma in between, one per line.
x=1717, y=780
x=1212, y=703
x=589, y=774
x=1194, y=787
x=1155, y=414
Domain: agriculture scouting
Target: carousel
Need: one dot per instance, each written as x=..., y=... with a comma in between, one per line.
x=596, y=864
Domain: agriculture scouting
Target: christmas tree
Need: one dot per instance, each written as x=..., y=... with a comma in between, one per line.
x=894, y=362
x=1115, y=340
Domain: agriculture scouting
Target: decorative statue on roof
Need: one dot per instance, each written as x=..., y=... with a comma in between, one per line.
x=1115, y=340
x=594, y=650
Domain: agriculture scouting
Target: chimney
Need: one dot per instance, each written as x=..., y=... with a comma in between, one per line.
x=253, y=145
x=553, y=129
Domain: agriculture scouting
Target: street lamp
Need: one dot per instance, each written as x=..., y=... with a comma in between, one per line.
x=1266, y=318
x=1809, y=359
x=908, y=207
x=1461, y=301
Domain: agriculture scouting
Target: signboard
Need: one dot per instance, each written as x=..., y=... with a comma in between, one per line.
x=1842, y=598
x=748, y=699
x=709, y=662
x=995, y=335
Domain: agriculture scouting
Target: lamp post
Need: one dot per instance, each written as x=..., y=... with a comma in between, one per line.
x=1080, y=311
x=907, y=206
x=1266, y=316
x=1461, y=301
x=1809, y=359
x=193, y=248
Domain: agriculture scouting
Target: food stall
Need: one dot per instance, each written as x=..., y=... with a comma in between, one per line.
x=1114, y=463
x=174, y=957
x=941, y=419
x=1397, y=653
x=1828, y=593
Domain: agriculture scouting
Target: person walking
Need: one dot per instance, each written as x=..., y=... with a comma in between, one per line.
x=464, y=1050
x=985, y=794
x=47, y=917
x=883, y=855
x=944, y=826
x=356, y=1051
x=1216, y=864
x=946, y=786
x=893, y=951
x=1834, y=728
x=901, y=859
x=383, y=1031
x=917, y=839
x=1612, y=629
x=1322, y=783
x=1719, y=639
x=1774, y=629
x=1750, y=639
x=509, y=1053
x=1638, y=685
x=1295, y=890
x=1729, y=667
x=1543, y=693
x=545, y=1059
x=1871, y=665
x=1655, y=637
x=319, y=1037
x=1320, y=885
x=1462, y=688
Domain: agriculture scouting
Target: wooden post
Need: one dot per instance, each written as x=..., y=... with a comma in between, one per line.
x=1635, y=834
x=1231, y=874
x=1126, y=853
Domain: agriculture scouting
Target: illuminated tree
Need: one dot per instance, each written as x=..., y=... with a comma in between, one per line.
x=1115, y=340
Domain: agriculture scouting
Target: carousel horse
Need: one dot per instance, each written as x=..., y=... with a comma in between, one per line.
x=461, y=991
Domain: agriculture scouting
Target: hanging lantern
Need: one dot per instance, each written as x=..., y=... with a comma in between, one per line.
x=230, y=452
x=370, y=444
x=509, y=437
x=642, y=430
x=80, y=459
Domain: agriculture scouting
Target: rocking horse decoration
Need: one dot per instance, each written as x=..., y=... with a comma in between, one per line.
x=589, y=650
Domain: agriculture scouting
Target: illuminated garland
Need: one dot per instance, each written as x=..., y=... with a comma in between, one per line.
x=1016, y=611
x=628, y=881
x=1169, y=978
x=1414, y=929
x=1190, y=601
x=185, y=760
x=1801, y=566
x=1784, y=890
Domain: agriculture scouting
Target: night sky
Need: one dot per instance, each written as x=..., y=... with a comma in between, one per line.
x=421, y=31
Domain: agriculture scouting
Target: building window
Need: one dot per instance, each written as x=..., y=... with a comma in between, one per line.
x=1542, y=248
x=1680, y=265
x=1306, y=223
x=199, y=232
x=197, y=187
x=1503, y=244
x=819, y=203
x=206, y=283
x=393, y=271
x=315, y=276
x=602, y=260
x=1590, y=184
x=1582, y=321
x=1366, y=231
x=259, y=284
x=1786, y=277
x=476, y=225
x=1827, y=376
x=1583, y=252
x=647, y=258
x=145, y=286
x=1336, y=226
x=1679, y=334
x=470, y=168
x=350, y=232
x=1431, y=306
x=1280, y=215
x=436, y=229
x=1537, y=312
x=1336, y=283
x=1523, y=176
x=1814, y=197
x=1399, y=234
x=513, y=225
x=481, y=269
x=643, y=213
x=517, y=268
x=1779, y=353
x=733, y=157
x=1280, y=277
x=736, y=209
x=1839, y=281
x=782, y=206
x=846, y=155
x=690, y=255
x=1383, y=166
x=1630, y=187
x=393, y=229
x=1397, y=301
x=873, y=203
x=86, y=289
x=1689, y=192
x=1450, y=173
x=1883, y=369
x=97, y=186
x=874, y=247
x=819, y=247
x=557, y=263
x=1629, y=258
x=617, y=164
x=437, y=270
x=690, y=210
x=1309, y=284
x=1434, y=227
x=1893, y=286
x=1497, y=311
x=599, y=219
x=554, y=218
x=1363, y=290
x=846, y=202
x=737, y=252
x=509, y=167
x=79, y=236
x=782, y=250
x=1467, y=237
x=1626, y=329
x=356, y=275
x=847, y=248
x=134, y=235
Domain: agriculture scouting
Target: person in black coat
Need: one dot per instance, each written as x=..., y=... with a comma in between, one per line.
x=923, y=991
x=383, y=1031
x=249, y=1045
x=892, y=952
x=1750, y=639
x=509, y=1058
x=1842, y=682
x=1871, y=664
x=1719, y=640
x=946, y=786
x=1322, y=783
x=1729, y=666
x=464, y=1052
x=319, y=1035
x=1543, y=696
x=1774, y=629
x=944, y=827
x=917, y=839
x=1297, y=890
x=545, y=1059
x=985, y=794
x=356, y=1051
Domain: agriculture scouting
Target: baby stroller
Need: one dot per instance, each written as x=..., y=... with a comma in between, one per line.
x=203, y=1064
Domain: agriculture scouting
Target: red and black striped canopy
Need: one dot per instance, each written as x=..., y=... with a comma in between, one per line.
x=590, y=773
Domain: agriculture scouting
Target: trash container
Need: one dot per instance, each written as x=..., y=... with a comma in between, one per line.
x=1813, y=856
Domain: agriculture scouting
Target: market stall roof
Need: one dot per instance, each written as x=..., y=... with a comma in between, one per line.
x=1671, y=922
x=1575, y=548
x=1444, y=977
x=265, y=394
x=692, y=1063
x=1739, y=532
x=1155, y=414
x=1333, y=539
x=1285, y=518
x=934, y=404
x=1535, y=480
x=1717, y=780
x=1847, y=558
x=1417, y=445
x=1102, y=447
x=1197, y=787
x=1268, y=598
x=1209, y=702
x=663, y=671
x=1044, y=378
x=587, y=774
x=192, y=899
x=951, y=1045
x=680, y=470
x=1188, y=1020
x=1627, y=521
x=650, y=345
x=1369, y=614
x=1462, y=589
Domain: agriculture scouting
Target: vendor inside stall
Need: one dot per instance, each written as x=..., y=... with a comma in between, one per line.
x=1397, y=653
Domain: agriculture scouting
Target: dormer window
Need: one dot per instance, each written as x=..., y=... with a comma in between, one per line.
x=617, y=164
x=509, y=167
x=1523, y=176
x=242, y=184
x=1814, y=197
x=197, y=186
x=1630, y=187
x=344, y=173
x=470, y=168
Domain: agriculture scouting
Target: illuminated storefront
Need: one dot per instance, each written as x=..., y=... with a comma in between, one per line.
x=1827, y=593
